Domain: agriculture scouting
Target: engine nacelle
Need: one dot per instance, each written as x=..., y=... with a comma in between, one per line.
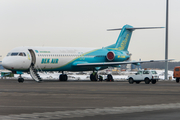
x=110, y=56
x=117, y=56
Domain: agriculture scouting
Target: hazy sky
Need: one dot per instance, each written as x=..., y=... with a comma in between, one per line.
x=83, y=23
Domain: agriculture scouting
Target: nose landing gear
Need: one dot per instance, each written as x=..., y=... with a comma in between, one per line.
x=20, y=79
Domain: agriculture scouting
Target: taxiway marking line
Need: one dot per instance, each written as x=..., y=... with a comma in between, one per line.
x=90, y=112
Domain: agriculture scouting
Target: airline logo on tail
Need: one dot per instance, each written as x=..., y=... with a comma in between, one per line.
x=122, y=45
x=124, y=42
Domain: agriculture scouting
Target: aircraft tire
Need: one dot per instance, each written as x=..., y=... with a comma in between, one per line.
x=63, y=77
x=20, y=80
x=60, y=77
x=177, y=80
x=131, y=81
x=94, y=77
x=91, y=77
x=147, y=81
x=153, y=81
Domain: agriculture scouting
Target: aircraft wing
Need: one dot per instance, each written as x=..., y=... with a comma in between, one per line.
x=117, y=63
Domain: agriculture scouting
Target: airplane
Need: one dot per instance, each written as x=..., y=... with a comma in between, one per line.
x=1, y=65
x=33, y=59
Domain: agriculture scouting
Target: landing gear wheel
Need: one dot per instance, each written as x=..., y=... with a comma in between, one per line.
x=110, y=77
x=177, y=80
x=60, y=77
x=91, y=77
x=94, y=77
x=20, y=80
x=131, y=81
x=147, y=81
x=63, y=77
x=153, y=81
x=137, y=82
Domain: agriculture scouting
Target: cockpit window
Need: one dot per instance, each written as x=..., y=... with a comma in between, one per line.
x=8, y=54
x=14, y=54
x=20, y=54
x=24, y=54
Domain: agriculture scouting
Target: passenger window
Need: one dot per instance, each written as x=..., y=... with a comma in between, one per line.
x=177, y=69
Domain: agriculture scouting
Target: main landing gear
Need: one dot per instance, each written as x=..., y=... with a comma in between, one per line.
x=94, y=77
x=63, y=77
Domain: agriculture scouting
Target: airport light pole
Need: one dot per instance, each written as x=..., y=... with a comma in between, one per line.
x=166, y=45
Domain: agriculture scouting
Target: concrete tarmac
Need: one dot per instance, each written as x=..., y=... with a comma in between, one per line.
x=51, y=99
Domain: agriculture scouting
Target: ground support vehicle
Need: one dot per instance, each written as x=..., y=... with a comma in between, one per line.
x=176, y=73
x=144, y=75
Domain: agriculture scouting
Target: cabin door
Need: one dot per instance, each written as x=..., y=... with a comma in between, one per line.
x=33, y=57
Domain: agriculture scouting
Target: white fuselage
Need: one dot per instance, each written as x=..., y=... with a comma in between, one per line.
x=45, y=57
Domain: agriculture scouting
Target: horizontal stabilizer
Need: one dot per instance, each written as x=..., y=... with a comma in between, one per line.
x=134, y=28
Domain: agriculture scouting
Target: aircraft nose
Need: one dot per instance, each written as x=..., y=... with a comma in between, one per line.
x=16, y=63
x=6, y=63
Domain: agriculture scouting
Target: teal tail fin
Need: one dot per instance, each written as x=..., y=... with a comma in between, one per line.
x=123, y=40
